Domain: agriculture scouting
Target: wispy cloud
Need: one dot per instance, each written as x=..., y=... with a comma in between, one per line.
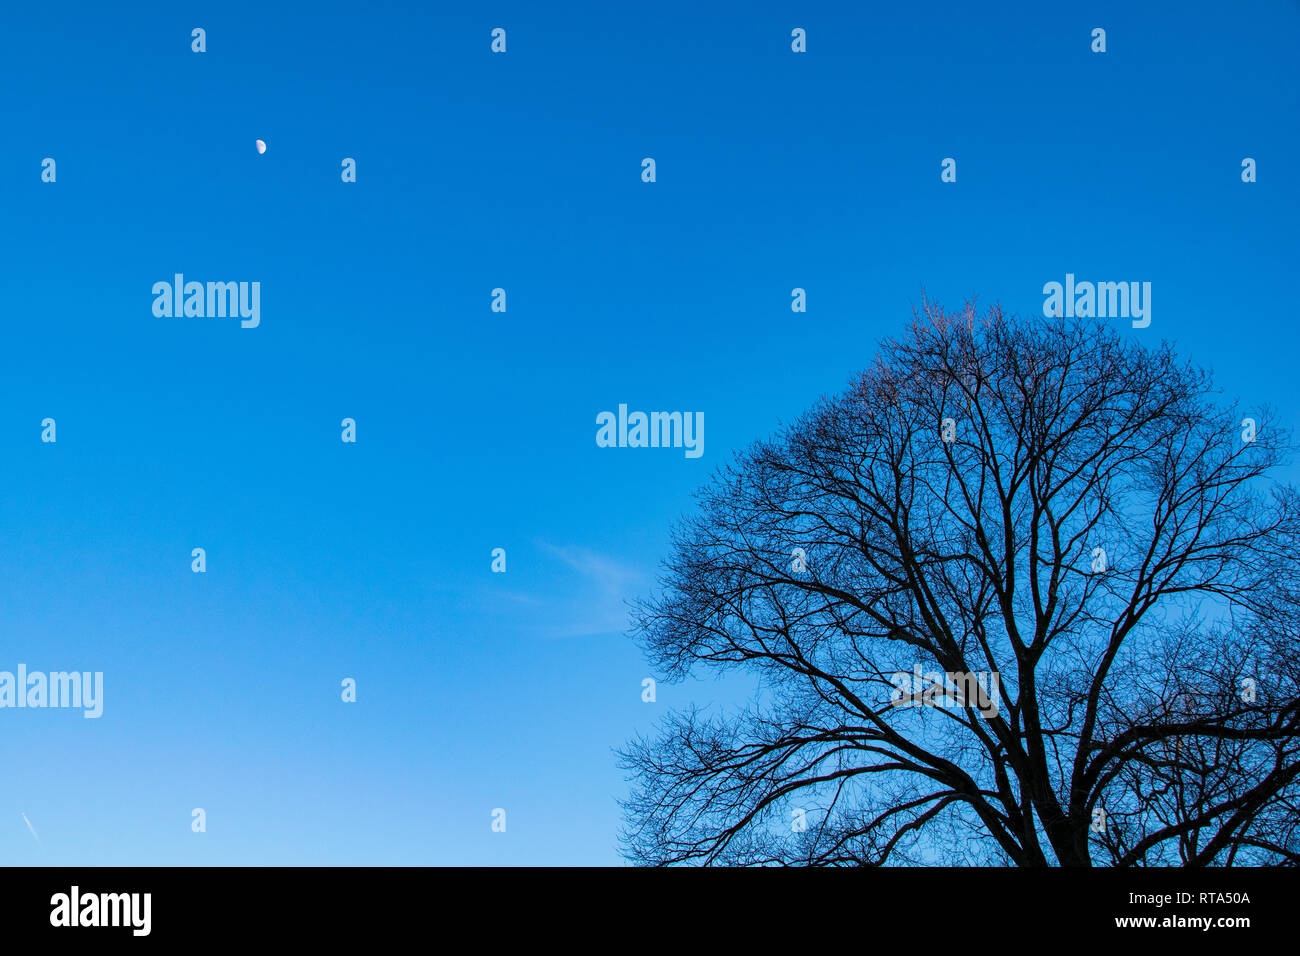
x=606, y=585
x=609, y=574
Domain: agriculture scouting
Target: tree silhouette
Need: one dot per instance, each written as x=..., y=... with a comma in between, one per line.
x=1077, y=519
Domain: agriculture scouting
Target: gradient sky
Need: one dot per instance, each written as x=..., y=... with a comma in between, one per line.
x=476, y=429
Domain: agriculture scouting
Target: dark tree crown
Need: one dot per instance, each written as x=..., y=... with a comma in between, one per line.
x=1067, y=543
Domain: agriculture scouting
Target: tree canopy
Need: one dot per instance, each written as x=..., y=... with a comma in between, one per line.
x=1024, y=593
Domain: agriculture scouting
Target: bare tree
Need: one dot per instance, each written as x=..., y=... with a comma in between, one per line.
x=1023, y=594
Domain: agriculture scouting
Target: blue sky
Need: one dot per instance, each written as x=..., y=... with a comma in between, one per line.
x=476, y=429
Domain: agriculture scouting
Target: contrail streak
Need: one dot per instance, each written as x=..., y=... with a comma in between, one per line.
x=30, y=827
